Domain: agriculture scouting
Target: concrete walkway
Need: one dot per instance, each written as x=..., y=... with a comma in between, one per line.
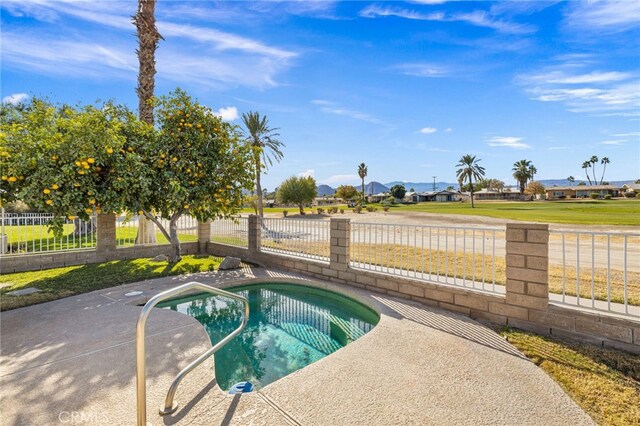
x=72, y=361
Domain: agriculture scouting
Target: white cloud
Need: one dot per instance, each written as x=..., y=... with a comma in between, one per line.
x=341, y=180
x=590, y=91
x=16, y=98
x=332, y=108
x=614, y=142
x=428, y=130
x=478, y=18
x=448, y=129
x=228, y=113
x=610, y=16
x=622, y=135
x=507, y=141
x=307, y=173
x=558, y=148
x=422, y=70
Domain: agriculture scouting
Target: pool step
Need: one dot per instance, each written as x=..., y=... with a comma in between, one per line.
x=242, y=387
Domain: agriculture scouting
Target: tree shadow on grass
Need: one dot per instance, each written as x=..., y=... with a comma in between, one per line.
x=69, y=281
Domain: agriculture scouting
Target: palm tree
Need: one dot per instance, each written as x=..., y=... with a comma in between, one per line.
x=571, y=179
x=604, y=162
x=362, y=172
x=148, y=39
x=594, y=160
x=585, y=166
x=264, y=142
x=469, y=169
x=533, y=171
x=522, y=172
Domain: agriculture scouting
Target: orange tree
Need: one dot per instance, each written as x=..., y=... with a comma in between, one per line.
x=69, y=161
x=77, y=161
x=196, y=164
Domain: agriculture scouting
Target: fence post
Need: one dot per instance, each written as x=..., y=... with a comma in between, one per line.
x=255, y=224
x=340, y=233
x=105, y=236
x=204, y=235
x=527, y=259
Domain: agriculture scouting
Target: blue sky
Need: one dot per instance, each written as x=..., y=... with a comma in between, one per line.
x=407, y=88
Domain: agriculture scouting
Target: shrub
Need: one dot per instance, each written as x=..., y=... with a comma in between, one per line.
x=285, y=213
x=342, y=211
x=358, y=209
x=333, y=210
x=562, y=197
x=607, y=197
x=372, y=209
x=385, y=208
x=594, y=195
x=638, y=195
x=320, y=210
x=630, y=194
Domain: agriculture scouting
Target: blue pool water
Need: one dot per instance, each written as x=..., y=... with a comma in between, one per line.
x=290, y=326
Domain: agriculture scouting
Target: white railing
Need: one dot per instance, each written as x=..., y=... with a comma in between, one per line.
x=28, y=233
x=464, y=257
x=308, y=238
x=127, y=230
x=231, y=231
x=595, y=270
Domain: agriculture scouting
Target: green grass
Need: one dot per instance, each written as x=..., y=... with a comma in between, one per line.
x=36, y=238
x=57, y=283
x=588, y=212
x=604, y=382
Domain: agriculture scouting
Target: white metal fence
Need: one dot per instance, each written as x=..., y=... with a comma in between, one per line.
x=465, y=257
x=232, y=231
x=308, y=238
x=28, y=233
x=595, y=270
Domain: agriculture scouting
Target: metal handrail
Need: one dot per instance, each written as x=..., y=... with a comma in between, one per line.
x=141, y=376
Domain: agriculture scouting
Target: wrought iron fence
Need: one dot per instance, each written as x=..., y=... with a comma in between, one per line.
x=231, y=231
x=308, y=238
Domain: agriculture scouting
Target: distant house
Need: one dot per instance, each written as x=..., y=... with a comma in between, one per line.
x=633, y=188
x=489, y=194
x=440, y=196
x=582, y=191
x=376, y=198
x=327, y=201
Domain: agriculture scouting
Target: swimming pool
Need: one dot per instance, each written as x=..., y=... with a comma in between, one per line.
x=290, y=326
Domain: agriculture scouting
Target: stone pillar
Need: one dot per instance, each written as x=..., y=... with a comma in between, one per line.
x=527, y=258
x=340, y=233
x=106, y=236
x=255, y=231
x=204, y=236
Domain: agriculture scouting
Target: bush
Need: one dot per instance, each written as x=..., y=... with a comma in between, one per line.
x=358, y=209
x=333, y=210
x=562, y=197
x=371, y=209
x=285, y=213
x=638, y=195
x=320, y=210
x=594, y=195
x=385, y=208
x=607, y=197
x=342, y=211
x=630, y=194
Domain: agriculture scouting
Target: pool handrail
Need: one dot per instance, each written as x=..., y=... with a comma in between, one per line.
x=141, y=378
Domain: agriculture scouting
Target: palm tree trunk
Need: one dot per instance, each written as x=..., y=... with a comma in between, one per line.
x=593, y=170
x=363, y=190
x=603, y=170
x=471, y=190
x=259, y=186
x=587, y=173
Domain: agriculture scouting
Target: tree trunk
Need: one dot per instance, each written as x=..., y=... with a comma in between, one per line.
x=471, y=190
x=146, y=231
x=83, y=228
x=259, y=186
x=148, y=38
x=603, y=170
x=301, y=207
x=175, y=242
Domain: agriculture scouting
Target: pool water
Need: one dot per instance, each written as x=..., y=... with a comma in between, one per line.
x=290, y=326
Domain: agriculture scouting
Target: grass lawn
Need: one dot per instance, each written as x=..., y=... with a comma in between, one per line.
x=588, y=212
x=604, y=382
x=57, y=283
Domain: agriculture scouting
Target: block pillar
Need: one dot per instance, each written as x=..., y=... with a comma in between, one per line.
x=527, y=259
x=340, y=237
x=105, y=235
x=255, y=232
x=204, y=235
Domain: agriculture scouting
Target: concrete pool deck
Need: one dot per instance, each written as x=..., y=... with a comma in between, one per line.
x=73, y=361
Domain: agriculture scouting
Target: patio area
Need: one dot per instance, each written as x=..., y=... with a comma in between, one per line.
x=73, y=361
